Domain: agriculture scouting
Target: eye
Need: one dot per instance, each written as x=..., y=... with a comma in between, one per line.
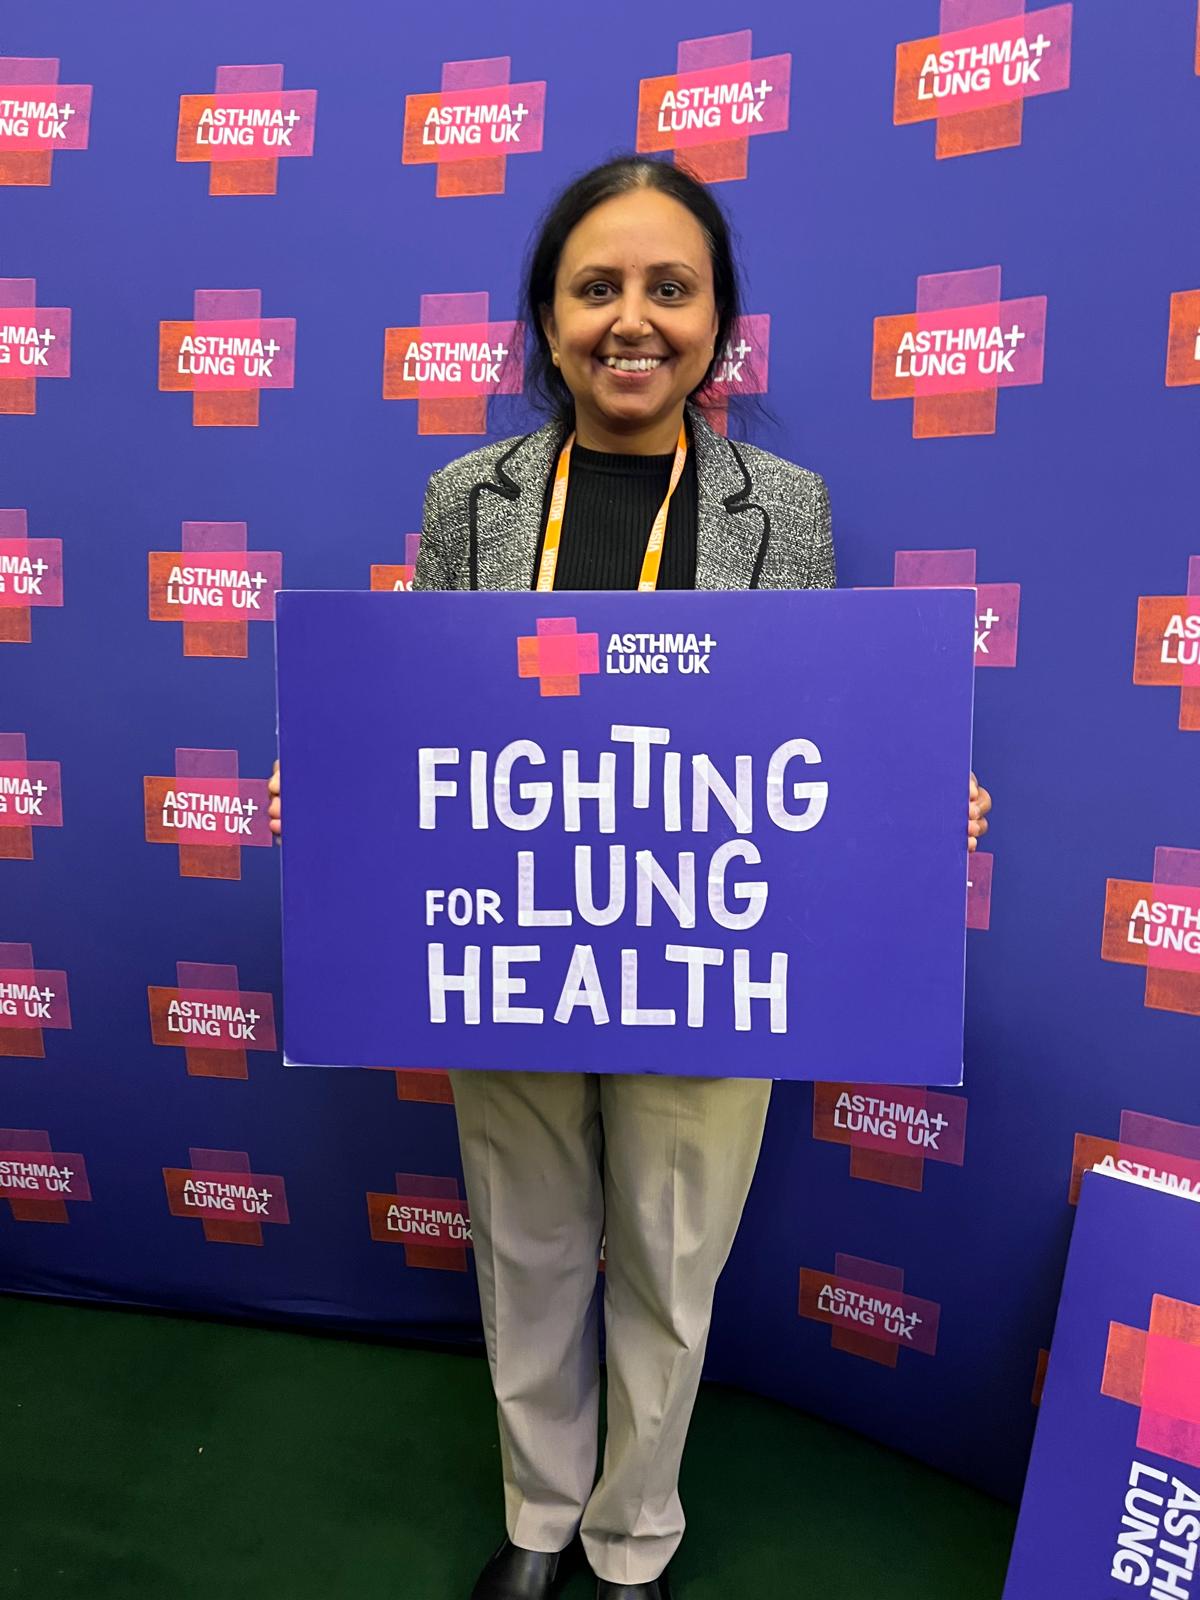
x=670, y=290
x=604, y=288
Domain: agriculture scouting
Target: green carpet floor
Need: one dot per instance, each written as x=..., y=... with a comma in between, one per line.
x=150, y=1457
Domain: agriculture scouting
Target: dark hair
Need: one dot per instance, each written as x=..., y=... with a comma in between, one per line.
x=616, y=177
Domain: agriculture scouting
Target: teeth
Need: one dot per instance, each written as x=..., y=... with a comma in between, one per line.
x=642, y=364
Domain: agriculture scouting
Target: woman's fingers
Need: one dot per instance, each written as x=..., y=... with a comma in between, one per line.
x=978, y=806
x=274, y=809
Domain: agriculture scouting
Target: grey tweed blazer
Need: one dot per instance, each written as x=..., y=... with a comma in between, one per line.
x=763, y=523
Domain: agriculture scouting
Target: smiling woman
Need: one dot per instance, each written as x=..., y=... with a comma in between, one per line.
x=634, y=333
x=632, y=291
x=631, y=302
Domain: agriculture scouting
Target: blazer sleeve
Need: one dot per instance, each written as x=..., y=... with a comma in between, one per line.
x=822, y=565
x=433, y=557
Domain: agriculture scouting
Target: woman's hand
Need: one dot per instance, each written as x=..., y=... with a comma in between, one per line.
x=978, y=807
x=277, y=825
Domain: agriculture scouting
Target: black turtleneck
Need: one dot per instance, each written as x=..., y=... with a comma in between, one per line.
x=612, y=501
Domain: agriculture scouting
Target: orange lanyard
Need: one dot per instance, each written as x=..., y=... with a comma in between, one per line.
x=651, y=561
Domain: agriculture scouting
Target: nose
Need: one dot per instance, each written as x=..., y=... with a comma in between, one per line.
x=632, y=322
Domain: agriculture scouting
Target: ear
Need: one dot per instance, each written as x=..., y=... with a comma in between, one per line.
x=548, y=325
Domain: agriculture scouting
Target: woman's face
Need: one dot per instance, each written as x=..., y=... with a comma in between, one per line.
x=634, y=319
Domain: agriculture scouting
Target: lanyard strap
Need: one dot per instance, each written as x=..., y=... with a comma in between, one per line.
x=651, y=561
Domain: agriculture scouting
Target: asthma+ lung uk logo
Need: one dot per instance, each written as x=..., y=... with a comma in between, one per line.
x=38, y=116
x=214, y=586
x=395, y=577
x=1166, y=1154
x=221, y=1192
x=37, y=1181
x=953, y=355
x=891, y=1130
x=30, y=797
x=32, y=1000
x=744, y=368
x=453, y=361
x=1167, y=645
x=716, y=100
x=35, y=342
x=973, y=77
x=1156, y=925
x=997, y=606
x=225, y=356
x=472, y=124
x=245, y=127
x=31, y=574
x=209, y=812
x=208, y=1015
x=865, y=1306
x=427, y=1216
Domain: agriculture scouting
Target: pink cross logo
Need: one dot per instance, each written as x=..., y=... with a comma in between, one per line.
x=1158, y=1370
x=706, y=111
x=558, y=655
x=473, y=124
x=38, y=1181
x=953, y=355
x=427, y=1216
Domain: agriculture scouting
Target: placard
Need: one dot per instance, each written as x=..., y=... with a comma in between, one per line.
x=706, y=833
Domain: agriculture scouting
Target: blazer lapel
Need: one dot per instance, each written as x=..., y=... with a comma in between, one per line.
x=732, y=530
x=505, y=512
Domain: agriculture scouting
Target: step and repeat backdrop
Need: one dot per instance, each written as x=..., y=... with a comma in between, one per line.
x=259, y=276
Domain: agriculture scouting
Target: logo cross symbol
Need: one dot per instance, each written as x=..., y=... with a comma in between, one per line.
x=558, y=655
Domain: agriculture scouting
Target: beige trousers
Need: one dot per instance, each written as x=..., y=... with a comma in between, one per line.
x=661, y=1167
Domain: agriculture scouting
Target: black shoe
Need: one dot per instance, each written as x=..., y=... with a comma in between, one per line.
x=516, y=1574
x=659, y=1589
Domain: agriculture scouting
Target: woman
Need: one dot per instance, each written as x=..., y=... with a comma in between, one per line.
x=632, y=292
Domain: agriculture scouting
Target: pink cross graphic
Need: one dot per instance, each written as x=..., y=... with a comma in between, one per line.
x=709, y=131
x=953, y=355
x=1150, y=1148
x=473, y=124
x=1157, y=1369
x=262, y=1197
x=31, y=574
x=212, y=850
x=452, y=361
x=1164, y=942
x=28, y=144
x=35, y=342
x=427, y=1217
x=743, y=368
x=234, y=587
x=244, y=160
x=891, y=1130
x=195, y=1015
x=864, y=1304
x=47, y=1200
x=1167, y=645
x=225, y=356
x=30, y=797
x=997, y=605
x=31, y=1000
x=558, y=655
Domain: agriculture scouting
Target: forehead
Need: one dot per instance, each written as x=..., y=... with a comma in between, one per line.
x=635, y=229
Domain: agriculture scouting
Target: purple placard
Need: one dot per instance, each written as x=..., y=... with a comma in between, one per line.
x=708, y=833
x=1112, y=1499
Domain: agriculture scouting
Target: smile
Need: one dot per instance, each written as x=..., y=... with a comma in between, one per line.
x=631, y=364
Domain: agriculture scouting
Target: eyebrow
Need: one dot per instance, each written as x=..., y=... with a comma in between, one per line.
x=657, y=266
